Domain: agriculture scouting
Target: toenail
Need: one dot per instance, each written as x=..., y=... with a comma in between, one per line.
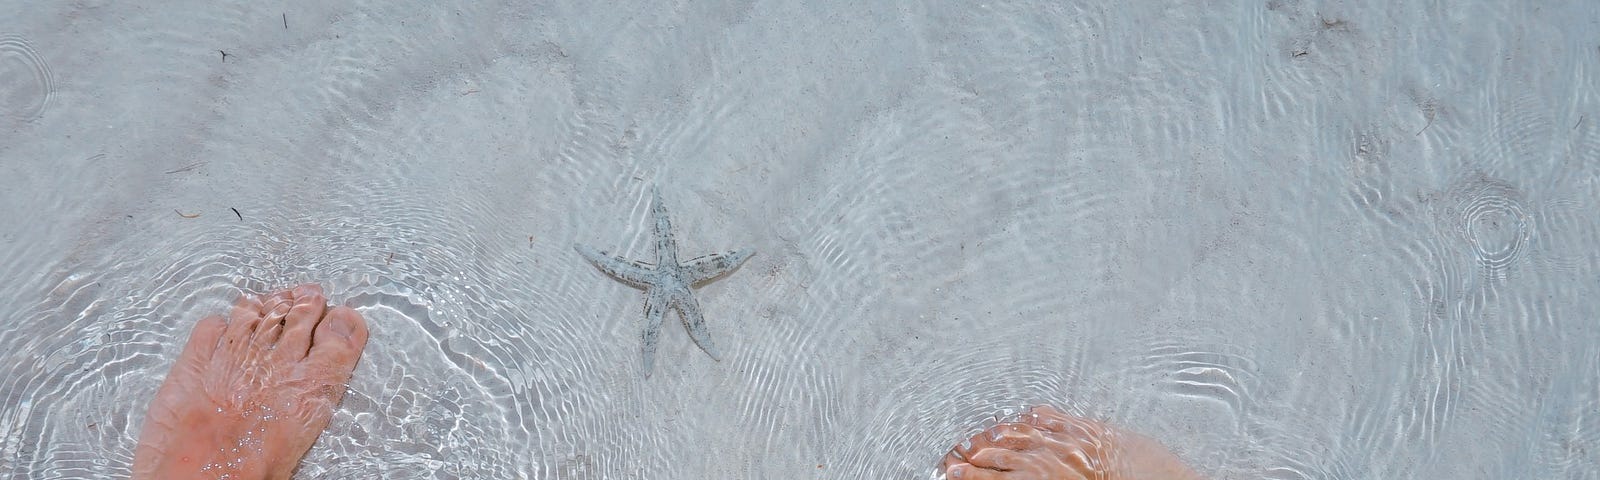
x=346, y=329
x=305, y=291
x=279, y=311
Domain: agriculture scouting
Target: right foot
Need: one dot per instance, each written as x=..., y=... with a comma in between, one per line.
x=1049, y=444
x=248, y=397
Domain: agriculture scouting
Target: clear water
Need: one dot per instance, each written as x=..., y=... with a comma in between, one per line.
x=1292, y=240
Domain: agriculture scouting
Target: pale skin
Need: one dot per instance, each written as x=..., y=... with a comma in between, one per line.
x=251, y=392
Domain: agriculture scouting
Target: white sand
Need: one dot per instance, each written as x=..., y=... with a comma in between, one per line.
x=1290, y=239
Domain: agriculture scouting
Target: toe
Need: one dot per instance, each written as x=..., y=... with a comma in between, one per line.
x=1011, y=436
x=1048, y=419
x=309, y=306
x=337, y=342
x=1047, y=411
x=271, y=325
x=1079, y=443
x=959, y=454
x=1033, y=464
x=242, y=321
x=203, y=340
x=953, y=458
x=966, y=471
x=1015, y=436
x=997, y=459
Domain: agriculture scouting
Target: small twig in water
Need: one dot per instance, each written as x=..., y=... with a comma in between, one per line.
x=188, y=167
x=390, y=259
x=224, y=56
x=285, y=21
x=1580, y=122
x=236, y=212
x=185, y=215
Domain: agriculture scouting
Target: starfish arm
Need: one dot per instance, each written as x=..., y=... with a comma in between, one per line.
x=655, y=308
x=695, y=323
x=705, y=268
x=638, y=274
x=666, y=245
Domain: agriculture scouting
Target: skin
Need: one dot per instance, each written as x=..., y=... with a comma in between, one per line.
x=250, y=394
x=1049, y=444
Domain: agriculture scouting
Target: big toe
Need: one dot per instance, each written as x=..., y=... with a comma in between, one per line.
x=338, y=341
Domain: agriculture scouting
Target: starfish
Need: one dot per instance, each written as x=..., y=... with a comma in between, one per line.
x=668, y=284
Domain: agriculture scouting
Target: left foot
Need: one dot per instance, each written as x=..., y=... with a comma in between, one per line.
x=249, y=396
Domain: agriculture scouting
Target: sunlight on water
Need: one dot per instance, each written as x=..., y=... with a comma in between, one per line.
x=1290, y=241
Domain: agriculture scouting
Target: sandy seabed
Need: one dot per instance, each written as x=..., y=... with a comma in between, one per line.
x=1292, y=240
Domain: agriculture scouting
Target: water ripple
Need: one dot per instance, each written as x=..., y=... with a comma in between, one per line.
x=1225, y=378
x=1487, y=215
x=26, y=82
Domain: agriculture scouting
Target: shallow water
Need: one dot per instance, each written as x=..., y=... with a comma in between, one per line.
x=1292, y=240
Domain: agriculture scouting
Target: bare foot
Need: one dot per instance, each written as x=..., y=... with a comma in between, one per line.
x=248, y=396
x=1049, y=444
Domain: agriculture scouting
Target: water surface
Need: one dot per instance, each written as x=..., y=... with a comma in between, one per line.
x=1292, y=240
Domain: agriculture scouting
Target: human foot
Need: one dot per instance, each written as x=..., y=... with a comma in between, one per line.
x=1048, y=444
x=248, y=397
